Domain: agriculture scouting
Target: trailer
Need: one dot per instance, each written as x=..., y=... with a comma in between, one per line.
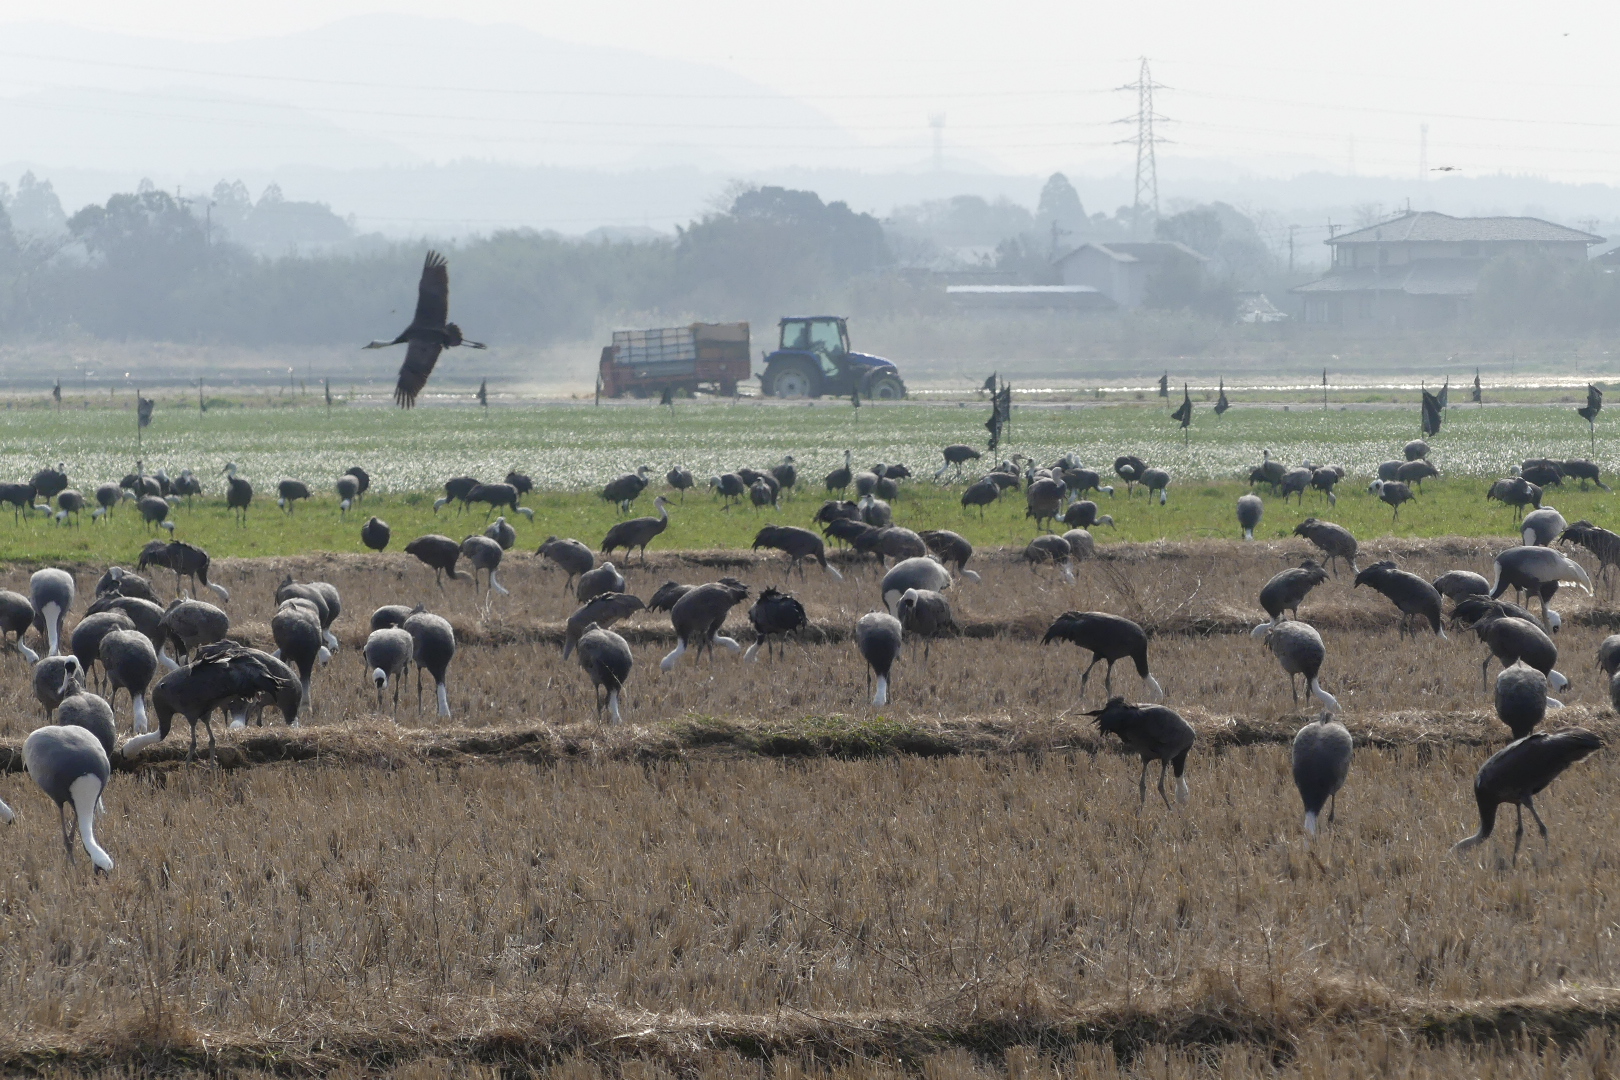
x=709, y=357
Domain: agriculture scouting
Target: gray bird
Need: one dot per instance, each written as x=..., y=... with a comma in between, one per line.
x=878, y=636
x=194, y=623
x=485, y=554
x=16, y=617
x=603, y=610
x=186, y=560
x=957, y=454
x=1541, y=527
x=919, y=573
x=606, y=658
x=1299, y=649
x=53, y=680
x=605, y=578
x=697, y=617
x=981, y=493
x=130, y=661
x=1515, y=491
x=1415, y=598
x=1532, y=568
x=1044, y=501
x=1521, y=698
x=348, y=490
x=1157, y=734
x=900, y=544
x=680, y=479
x=950, y=548
x=433, y=647
x=1156, y=480
x=775, y=614
x=439, y=553
x=1334, y=541
x=70, y=766
x=51, y=592
x=1250, y=508
x=296, y=629
x=1108, y=638
x=1608, y=654
x=392, y=616
x=665, y=596
x=1415, y=472
x=1321, y=761
x=1051, y=549
x=1295, y=482
x=1509, y=638
x=376, y=534
x=1454, y=585
x=875, y=512
x=1416, y=450
x=568, y=555
x=1392, y=492
x=223, y=675
x=798, y=544
x=1287, y=590
x=388, y=656
x=1519, y=772
x=1082, y=514
x=85, y=642
x=927, y=615
x=637, y=532
x=1082, y=545
x=82, y=709
x=322, y=596
x=500, y=530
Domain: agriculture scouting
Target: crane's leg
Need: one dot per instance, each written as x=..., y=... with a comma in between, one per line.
x=1142, y=786
x=1484, y=669
x=67, y=829
x=1518, y=834
x=191, y=755
x=1293, y=689
x=213, y=750
x=1530, y=802
x=1164, y=767
x=1108, y=688
x=1086, y=674
x=418, y=687
x=1333, y=805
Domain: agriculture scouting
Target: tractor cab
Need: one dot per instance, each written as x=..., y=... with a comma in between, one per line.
x=813, y=359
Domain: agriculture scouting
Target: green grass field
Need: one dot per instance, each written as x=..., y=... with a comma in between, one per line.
x=570, y=450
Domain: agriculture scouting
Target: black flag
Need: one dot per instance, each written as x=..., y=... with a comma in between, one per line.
x=1431, y=414
x=990, y=383
x=1594, y=404
x=56, y=392
x=855, y=397
x=328, y=388
x=1444, y=397
x=667, y=397
x=483, y=393
x=1221, y=404
x=993, y=425
x=1479, y=395
x=1184, y=413
x=1164, y=385
x=202, y=402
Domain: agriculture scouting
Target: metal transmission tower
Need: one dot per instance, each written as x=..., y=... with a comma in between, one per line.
x=1147, y=170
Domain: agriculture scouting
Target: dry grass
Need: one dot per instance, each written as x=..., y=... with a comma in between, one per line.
x=522, y=889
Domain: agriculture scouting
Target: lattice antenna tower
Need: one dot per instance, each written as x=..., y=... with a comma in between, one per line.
x=1147, y=169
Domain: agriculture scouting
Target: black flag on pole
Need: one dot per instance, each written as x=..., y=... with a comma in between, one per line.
x=1221, y=404
x=1431, y=414
x=1164, y=385
x=483, y=393
x=1479, y=395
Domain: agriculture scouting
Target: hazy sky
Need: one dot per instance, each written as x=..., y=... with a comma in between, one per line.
x=1267, y=86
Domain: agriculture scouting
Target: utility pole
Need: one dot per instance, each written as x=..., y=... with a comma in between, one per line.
x=1147, y=170
x=1292, y=229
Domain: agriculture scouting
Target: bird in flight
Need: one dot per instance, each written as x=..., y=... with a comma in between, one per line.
x=1446, y=168
x=429, y=334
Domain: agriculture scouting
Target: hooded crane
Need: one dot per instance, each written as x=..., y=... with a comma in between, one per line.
x=957, y=454
x=362, y=478
x=288, y=492
x=569, y=555
x=322, y=596
x=604, y=579
x=85, y=641
x=927, y=615
x=82, y=709
x=130, y=661
x=238, y=493
x=1521, y=698
x=951, y=549
x=1509, y=639
x=54, y=679
x=499, y=496
x=51, y=591
x=1415, y=598
x=1519, y=772
x=917, y=573
x=1250, y=509
x=457, y=489
x=429, y=333
x=147, y=617
x=1044, y=499
x=1107, y=637
x=296, y=629
x=433, y=647
x=348, y=490
x=1299, y=649
x=1456, y=585
x=798, y=544
x=375, y=534
x=108, y=496
x=1392, y=492
x=154, y=511
x=484, y=554
x=1334, y=541
x=16, y=617
x=1539, y=570
x=1321, y=761
x=1600, y=542
x=70, y=766
x=1157, y=734
x=698, y=616
x=637, y=532
x=388, y=656
x=1051, y=549
x=839, y=479
x=1287, y=590
x=1082, y=514
x=501, y=531
x=775, y=614
x=603, y=610
x=193, y=623
x=981, y=493
x=626, y=489
x=222, y=675
x=1516, y=492
x=438, y=552
x=1541, y=527
x=878, y=636
x=186, y=560
x=606, y=658
x=680, y=480
x=1156, y=480
x=120, y=582
x=1129, y=468
x=1583, y=470
x=665, y=596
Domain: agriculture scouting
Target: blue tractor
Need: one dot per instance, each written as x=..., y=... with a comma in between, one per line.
x=814, y=360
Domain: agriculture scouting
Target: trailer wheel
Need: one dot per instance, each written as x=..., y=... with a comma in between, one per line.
x=886, y=388
x=791, y=379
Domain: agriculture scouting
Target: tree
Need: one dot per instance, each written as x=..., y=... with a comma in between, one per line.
x=1060, y=206
x=35, y=210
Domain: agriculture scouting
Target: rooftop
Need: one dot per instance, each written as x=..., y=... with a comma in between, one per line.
x=1429, y=226
x=1145, y=251
x=1425, y=277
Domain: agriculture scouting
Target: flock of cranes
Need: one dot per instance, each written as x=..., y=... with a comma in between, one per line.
x=125, y=638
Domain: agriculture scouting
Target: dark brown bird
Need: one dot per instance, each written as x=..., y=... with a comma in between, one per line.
x=429, y=334
x=1519, y=772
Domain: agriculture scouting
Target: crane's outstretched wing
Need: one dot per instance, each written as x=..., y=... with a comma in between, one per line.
x=433, y=294
x=420, y=356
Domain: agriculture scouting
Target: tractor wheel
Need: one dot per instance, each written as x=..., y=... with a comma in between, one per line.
x=886, y=388
x=792, y=379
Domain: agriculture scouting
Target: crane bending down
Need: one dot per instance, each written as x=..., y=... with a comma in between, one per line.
x=429, y=334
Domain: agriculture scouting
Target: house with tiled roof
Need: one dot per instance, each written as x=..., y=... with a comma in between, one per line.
x=1123, y=271
x=1423, y=267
